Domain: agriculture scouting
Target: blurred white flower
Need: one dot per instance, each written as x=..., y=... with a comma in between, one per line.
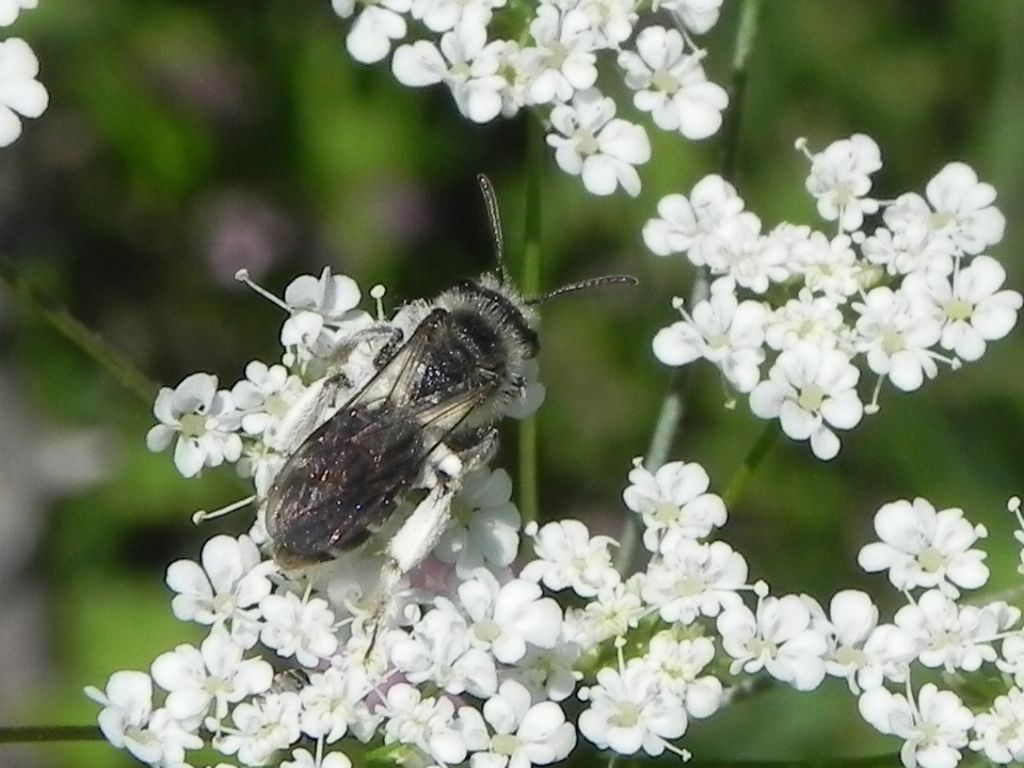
x=959, y=206
x=20, y=92
x=377, y=25
x=840, y=180
x=972, y=308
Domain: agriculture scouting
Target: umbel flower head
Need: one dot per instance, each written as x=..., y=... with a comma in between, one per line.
x=800, y=320
x=476, y=658
x=563, y=61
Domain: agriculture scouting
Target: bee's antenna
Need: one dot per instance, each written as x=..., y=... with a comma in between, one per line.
x=583, y=285
x=494, y=218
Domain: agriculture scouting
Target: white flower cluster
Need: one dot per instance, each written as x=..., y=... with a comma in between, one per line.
x=475, y=660
x=20, y=92
x=795, y=316
x=550, y=62
x=929, y=556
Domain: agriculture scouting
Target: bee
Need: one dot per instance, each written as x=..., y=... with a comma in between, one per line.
x=425, y=417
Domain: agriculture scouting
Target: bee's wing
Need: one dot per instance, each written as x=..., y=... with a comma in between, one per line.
x=394, y=382
x=346, y=479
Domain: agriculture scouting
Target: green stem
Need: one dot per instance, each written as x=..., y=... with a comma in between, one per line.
x=25, y=734
x=530, y=286
x=746, y=34
x=741, y=477
x=91, y=343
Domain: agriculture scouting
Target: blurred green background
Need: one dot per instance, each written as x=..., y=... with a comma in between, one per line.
x=187, y=139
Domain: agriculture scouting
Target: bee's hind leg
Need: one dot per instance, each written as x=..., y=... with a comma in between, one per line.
x=417, y=536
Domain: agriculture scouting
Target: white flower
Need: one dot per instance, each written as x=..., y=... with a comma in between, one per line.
x=671, y=84
x=628, y=712
x=212, y=675
x=934, y=728
x=897, y=333
x=972, y=308
x=807, y=318
x=505, y=618
x=829, y=267
x=612, y=613
x=1000, y=730
x=912, y=250
x=673, y=497
x=920, y=547
x=519, y=734
x=739, y=252
x=303, y=758
x=261, y=727
x=811, y=390
x=439, y=650
x=265, y=395
x=693, y=579
x=839, y=180
x=127, y=705
x=686, y=225
x=128, y=721
x=466, y=63
x=562, y=61
x=569, y=557
x=317, y=303
x=860, y=649
x=333, y=705
x=677, y=663
x=9, y=10
x=443, y=15
x=960, y=208
x=723, y=331
x=203, y=418
x=698, y=16
x=378, y=24
x=549, y=673
x=780, y=639
x=20, y=92
x=225, y=590
x=612, y=21
x=427, y=723
x=1011, y=658
x=591, y=142
x=300, y=628
x=949, y=635
x=485, y=523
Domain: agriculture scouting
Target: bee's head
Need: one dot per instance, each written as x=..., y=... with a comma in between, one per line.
x=494, y=319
